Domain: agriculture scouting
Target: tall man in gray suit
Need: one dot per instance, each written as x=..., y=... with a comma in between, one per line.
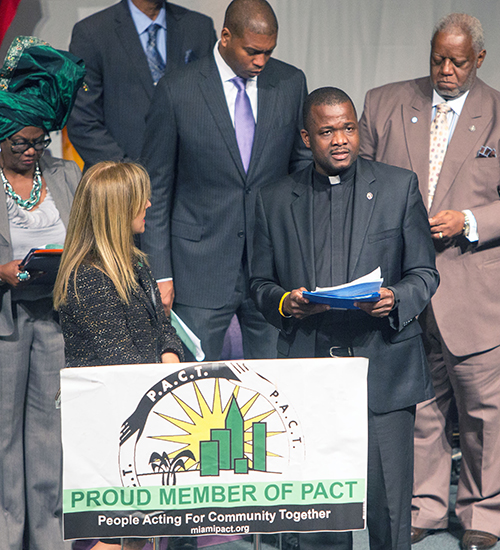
x=447, y=129
x=126, y=48
x=216, y=132
x=329, y=225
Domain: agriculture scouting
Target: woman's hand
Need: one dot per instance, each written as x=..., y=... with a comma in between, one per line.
x=169, y=357
x=9, y=271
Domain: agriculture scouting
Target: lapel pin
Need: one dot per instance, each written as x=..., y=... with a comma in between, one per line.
x=369, y=196
x=414, y=120
x=472, y=128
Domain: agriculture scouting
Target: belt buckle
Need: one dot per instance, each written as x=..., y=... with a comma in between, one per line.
x=350, y=352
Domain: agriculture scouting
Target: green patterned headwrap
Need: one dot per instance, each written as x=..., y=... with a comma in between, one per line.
x=38, y=86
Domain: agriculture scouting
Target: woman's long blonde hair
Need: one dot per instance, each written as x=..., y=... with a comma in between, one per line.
x=109, y=197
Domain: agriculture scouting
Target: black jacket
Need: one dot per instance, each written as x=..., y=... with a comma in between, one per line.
x=100, y=329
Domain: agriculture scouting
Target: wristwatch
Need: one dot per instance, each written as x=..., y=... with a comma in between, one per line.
x=466, y=227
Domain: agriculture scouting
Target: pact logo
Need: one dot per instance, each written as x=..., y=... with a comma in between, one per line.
x=206, y=421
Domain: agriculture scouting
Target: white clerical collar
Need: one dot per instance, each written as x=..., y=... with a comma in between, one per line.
x=334, y=180
x=456, y=104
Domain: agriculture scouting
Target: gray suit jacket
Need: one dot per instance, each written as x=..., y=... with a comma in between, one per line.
x=108, y=120
x=390, y=230
x=62, y=178
x=201, y=220
x=395, y=128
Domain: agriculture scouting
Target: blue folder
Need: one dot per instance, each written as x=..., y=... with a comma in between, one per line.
x=344, y=298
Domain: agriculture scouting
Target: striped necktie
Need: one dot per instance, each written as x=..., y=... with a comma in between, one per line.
x=155, y=62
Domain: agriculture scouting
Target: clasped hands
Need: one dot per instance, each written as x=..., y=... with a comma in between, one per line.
x=296, y=305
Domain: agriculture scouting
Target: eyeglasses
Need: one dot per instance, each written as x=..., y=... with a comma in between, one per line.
x=19, y=147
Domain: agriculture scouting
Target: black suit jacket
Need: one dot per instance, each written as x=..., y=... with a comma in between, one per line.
x=203, y=203
x=108, y=120
x=390, y=230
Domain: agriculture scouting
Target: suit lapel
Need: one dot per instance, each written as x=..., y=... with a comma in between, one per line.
x=266, y=106
x=213, y=93
x=144, y=292
x=4, y=221
x=365, y=197
x=127, y=33
x=302, y=215
x=56, y=182
x=417, y=125
x=462, y=142
x=174, y=41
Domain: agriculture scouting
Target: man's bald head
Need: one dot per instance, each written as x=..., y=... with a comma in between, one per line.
x=256, y=16
x=249, y=36
x=324, y=96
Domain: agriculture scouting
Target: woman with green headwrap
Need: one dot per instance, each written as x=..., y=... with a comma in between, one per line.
x=37, y=89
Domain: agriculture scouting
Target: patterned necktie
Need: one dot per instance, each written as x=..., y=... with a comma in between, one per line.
x=438, y=144
x=244, y=123
x=155, y=62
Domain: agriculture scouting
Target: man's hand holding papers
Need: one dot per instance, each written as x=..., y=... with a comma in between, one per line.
x=365, y=293
x=297, y=305
x=382, y=307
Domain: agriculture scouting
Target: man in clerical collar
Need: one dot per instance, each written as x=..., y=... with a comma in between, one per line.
x=331, y=223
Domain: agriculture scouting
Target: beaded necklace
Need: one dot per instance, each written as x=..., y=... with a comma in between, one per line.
x=35, y=194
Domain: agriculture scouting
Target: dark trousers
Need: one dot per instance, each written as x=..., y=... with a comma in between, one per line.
x=210, y=325
x=389, y=490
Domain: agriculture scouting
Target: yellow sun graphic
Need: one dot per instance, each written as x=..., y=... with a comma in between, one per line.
x=211, y=417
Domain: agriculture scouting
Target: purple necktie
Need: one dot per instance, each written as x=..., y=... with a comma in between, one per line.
x=244, y=123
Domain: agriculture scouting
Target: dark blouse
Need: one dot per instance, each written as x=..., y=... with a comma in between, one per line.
x=100, y=329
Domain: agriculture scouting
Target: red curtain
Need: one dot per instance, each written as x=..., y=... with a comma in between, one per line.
x=7, y=13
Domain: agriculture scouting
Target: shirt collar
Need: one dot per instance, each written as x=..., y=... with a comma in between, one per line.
x=345, y=177
x=225, y=71
x=456, y=104
x=142, y=21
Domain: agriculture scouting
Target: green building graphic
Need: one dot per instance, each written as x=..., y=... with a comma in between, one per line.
x=225, y=450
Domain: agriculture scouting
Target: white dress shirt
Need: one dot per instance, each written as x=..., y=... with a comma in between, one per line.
x=230, y=90
x=456, y=110
x=142, y=23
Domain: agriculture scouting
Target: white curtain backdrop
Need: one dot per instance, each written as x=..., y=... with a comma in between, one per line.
x=358, y=44
x=352, y=44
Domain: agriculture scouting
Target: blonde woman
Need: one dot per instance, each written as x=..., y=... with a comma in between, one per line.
x=109, y=305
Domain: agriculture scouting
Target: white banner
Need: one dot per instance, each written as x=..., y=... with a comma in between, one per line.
x=214, y=448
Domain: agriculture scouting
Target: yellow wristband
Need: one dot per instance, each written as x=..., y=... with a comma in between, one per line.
x=280, y=307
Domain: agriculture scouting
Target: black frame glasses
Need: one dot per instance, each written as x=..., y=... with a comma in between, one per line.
x=20, y=147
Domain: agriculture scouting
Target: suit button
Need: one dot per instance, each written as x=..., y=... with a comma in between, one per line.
x=241, y=234
x=248, y=190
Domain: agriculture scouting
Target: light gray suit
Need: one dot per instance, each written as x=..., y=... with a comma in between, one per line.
x=463, y=341
x=31, y=355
